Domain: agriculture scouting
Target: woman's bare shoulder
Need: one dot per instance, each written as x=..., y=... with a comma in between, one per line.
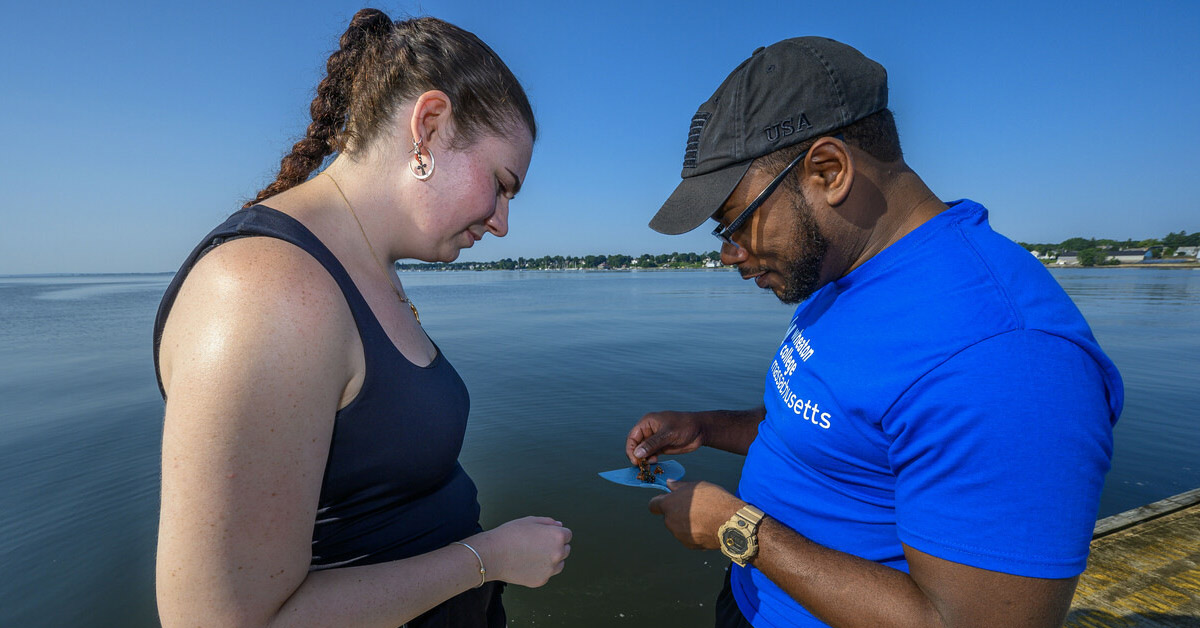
x=258, y=299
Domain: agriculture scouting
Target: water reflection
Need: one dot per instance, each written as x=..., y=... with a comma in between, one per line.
x=559, y=366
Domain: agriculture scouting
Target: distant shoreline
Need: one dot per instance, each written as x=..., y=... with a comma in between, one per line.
x=65, y=275
x=1171, y=266
x=558, y=270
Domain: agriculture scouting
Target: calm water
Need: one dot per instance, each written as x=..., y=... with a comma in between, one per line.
x=559, y=365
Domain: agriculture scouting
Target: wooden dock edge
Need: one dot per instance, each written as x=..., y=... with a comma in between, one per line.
x=1160, y=508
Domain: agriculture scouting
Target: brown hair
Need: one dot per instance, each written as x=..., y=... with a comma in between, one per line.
x=380, y=64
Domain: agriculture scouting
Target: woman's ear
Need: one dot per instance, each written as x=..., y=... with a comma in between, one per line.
x=830, y=166
x=432, y=120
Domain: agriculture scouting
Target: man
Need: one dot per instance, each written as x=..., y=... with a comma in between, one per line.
x=937, y=422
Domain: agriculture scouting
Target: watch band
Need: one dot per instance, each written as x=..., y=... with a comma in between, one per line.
x=751, y=514
x=738, y=537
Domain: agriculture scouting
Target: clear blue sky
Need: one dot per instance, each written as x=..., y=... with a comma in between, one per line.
x=130, y=132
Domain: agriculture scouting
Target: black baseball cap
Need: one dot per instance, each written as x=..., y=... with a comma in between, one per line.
x=788, y=92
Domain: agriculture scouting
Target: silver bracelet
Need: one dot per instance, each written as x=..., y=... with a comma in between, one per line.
x=482, y=571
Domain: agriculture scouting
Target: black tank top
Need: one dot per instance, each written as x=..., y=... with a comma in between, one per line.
x=392, y=487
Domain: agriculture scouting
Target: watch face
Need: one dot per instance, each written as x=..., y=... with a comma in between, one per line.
x=735, y=542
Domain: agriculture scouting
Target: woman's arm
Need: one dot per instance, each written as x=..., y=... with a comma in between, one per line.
x=259, y=352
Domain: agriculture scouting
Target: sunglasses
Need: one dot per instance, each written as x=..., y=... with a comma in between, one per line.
x=725, y=234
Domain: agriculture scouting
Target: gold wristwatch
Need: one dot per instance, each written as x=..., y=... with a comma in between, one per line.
x=739, y=535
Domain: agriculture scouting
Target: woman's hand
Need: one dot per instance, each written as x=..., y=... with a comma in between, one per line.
x=526, y=551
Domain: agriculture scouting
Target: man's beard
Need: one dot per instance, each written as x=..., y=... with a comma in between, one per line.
x=802, y=266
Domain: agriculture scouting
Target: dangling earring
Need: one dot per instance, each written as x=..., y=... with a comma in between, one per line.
x=417, y=166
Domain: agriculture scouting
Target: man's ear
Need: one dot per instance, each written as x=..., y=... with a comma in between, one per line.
x=432, y=120
x=830, y=167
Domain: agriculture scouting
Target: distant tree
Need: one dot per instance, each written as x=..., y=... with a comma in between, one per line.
x=1078, y=244
x=1176, y=240
x=1090, y=257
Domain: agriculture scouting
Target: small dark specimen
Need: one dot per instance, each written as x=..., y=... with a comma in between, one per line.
x=644, y=473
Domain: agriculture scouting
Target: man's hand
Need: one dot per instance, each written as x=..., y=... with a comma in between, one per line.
x=684, y=432
x=664, y=433
x=694, y=511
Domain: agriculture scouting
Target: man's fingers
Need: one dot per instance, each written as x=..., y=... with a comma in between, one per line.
x=636, y=443
x=634, y=439
x=656, y=504
x=651, y=445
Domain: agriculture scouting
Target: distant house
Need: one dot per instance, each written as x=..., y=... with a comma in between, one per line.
x=1068, y=258
x=711, y=263
x=1187, y=251
x=1131, y=256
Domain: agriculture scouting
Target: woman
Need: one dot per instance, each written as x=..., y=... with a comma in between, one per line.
x=312, y=429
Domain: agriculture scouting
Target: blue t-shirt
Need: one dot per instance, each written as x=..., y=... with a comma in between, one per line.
x=948, y=395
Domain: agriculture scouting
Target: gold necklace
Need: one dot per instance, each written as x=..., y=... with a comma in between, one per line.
x=403, y=299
